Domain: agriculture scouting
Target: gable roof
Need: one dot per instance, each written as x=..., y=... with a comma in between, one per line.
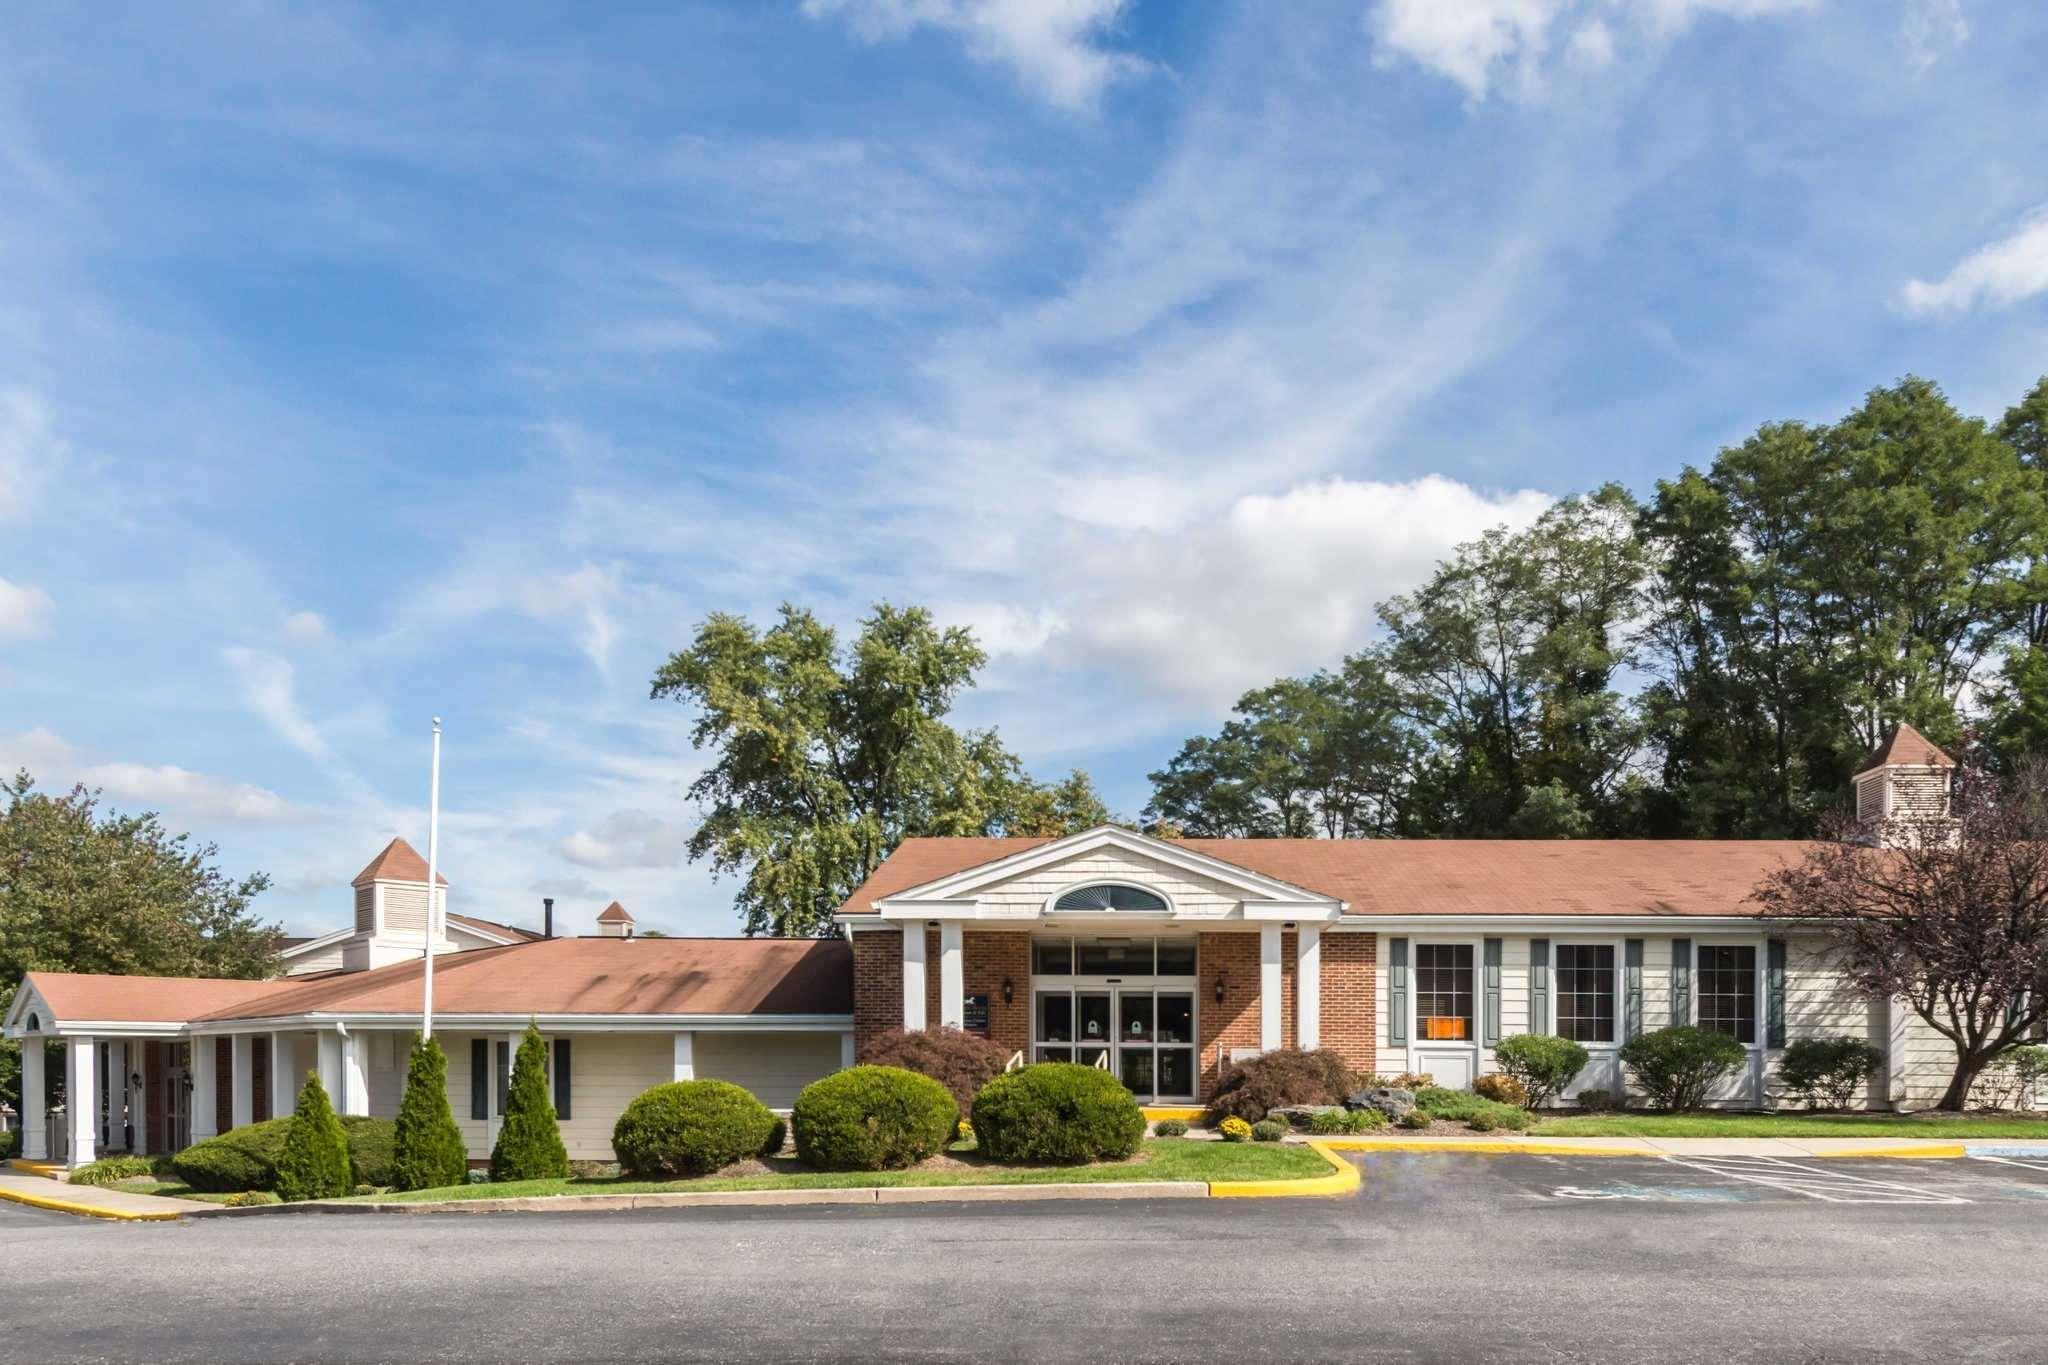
x=399, y=862
x=1906, y=747
x=1507, y=877
x=492, y=926
x=691, y=976
x=80, y=997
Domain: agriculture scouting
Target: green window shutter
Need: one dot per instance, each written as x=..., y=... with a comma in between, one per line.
x=1539, y=985
x=1774, y=999
x=1681, y=981
x=1397, y=992
x=504, y=1075
x=480, y=1078
x=561, y=1078
x=1490, y=1035
x=1632, y=989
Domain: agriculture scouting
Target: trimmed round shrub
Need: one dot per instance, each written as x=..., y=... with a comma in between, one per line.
x=1269, y=1130
x=962, y=1062
x=249, y=1199
x=247, y=1158
x=1235, y=1129
x=1501, y=1089
x=1414, y=1119
x=1057, y=1114
x=1543, y=1063
x=1170, y=1128
x=1275, y=1080
x=1826, y=1073
x=873, y=1118
x=1601, y=1101
x=1679, y=1067
x=686, y=1128
x=1482, y=1122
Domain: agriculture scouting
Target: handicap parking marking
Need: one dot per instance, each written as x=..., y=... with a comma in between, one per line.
x=1829, y=1184
x=1658, y=1194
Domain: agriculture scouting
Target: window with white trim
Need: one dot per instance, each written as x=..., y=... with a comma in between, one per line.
x=1443, y=992
x=1586, y=981
x=1726, y=989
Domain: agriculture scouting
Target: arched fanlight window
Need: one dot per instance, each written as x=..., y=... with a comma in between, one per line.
x=1111, y=896
x=35, y=1022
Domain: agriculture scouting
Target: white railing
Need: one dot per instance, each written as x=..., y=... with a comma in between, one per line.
x=1016, y=1061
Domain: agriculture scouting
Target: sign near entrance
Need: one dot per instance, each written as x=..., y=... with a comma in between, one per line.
x=974, y=1015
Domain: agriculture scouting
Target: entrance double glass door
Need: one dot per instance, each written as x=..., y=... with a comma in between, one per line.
x=1145, y=1037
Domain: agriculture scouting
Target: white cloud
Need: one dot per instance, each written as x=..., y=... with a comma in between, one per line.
x=268, y=688
x=1995, y=276
x=1277, y=584
x=1931, y=29
x=306, y=628
x=23, y=608
x=583, y=596
x=1053, y=46
x=198, y=796
x=628, y=838
x=29, y=452
x=1485, y=44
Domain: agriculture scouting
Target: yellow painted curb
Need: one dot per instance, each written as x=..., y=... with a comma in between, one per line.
x=1155, y=1112
x=1935, y=1151
x=47, y=1169
x=1342, y=1179
x=87, y=1210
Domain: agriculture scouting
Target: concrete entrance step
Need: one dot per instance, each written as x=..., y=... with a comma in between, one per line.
x=91, y=1201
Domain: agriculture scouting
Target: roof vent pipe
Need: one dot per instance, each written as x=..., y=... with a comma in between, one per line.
x=547, y=916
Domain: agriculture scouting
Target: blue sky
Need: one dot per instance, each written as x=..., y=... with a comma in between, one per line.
x=367, y=362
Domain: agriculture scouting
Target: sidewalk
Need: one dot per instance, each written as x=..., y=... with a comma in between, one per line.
x=1500, y=1143
x=90, y=1201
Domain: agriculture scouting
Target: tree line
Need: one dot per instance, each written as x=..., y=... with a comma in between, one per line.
x=1712, y=661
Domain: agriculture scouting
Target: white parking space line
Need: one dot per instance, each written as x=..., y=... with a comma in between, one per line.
x=2013, y=1161
x=1828, y=1184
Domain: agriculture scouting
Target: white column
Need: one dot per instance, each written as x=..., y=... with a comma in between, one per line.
x=1269, y=987
x=686, y=1057
x=35, y=1119
x=845, y=1051
x=117, y=1095
x=1308, y=987
x=913, y=976
x=242, y=1085
x=355, y=1074
x=284, y=1073
x=205, y=1090
x=952, y=977
x=327, y=1044
x=80, y=1101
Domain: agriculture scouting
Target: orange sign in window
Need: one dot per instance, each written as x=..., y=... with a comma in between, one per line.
x=1439, y=1027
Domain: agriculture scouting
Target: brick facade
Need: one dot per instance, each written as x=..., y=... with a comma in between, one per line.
x=1348, y=1025
x=877, y=987
x=987, y=958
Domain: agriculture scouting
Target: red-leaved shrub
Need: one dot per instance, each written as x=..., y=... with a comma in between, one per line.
x=962, y=1062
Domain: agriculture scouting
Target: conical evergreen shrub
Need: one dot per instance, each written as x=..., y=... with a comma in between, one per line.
x=315, y=1161
x=529, y=1141
x=428, y=1151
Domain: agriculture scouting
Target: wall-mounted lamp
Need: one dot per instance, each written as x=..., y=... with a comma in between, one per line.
x=1219, y=988
x=1009, y=991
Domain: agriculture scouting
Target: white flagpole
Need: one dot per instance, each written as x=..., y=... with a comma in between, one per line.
x=433, y=887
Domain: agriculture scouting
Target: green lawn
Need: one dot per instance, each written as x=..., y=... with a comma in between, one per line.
x=1791, y=1126
x=169, y=1188
x=1161, y=1159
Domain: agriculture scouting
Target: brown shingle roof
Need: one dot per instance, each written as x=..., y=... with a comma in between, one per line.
x=614, y=914
x=757, y=976
x=494, y=926
x=399, y=862
x=1907, y=746
x=78, y=997
x=1439, y=876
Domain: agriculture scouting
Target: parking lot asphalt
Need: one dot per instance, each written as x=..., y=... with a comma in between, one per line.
x=1439, y=1257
